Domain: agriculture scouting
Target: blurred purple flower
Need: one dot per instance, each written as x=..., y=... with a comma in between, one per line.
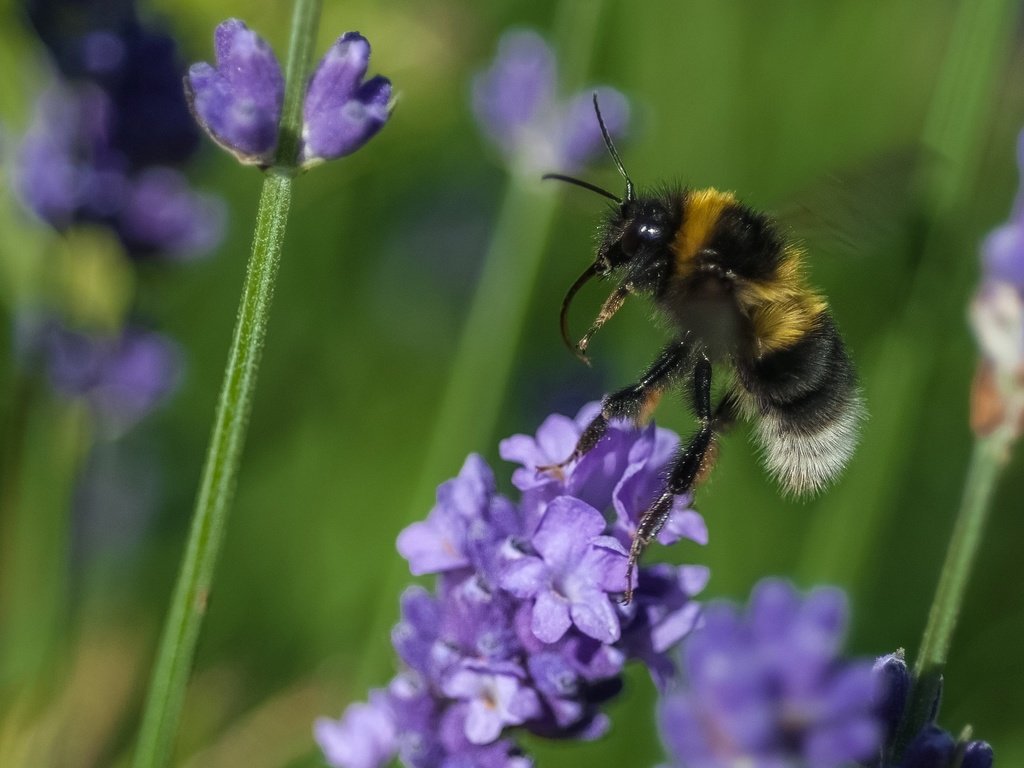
x=162, y=213
x=238, y=102
x=515, y=105
x=122, y=376
x=365, y=737
x=769, y=687
x=997, y=316
x=522, y=629
x=341, y=112
x=68, y=172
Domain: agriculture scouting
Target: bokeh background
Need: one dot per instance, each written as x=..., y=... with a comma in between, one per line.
x=818, y=107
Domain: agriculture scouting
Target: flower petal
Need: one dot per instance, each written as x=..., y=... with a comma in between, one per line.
x=339, y=114
x=238, y=102
x=550, y=617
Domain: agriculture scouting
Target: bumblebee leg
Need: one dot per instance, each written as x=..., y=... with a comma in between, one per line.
x=686, y=468
x=634, y=402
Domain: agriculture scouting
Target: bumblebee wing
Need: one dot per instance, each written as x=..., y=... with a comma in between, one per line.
x=807, y=408
x=859, y=210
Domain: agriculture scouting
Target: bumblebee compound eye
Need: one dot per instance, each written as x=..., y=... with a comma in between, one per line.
x=639, y=233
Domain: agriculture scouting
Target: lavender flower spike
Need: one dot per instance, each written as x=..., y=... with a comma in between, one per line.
x=341, y=113
x=769, y=687
x=238, y=102
x=365, y=737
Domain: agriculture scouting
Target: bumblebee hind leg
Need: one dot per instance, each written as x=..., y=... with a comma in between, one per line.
x=688, y=467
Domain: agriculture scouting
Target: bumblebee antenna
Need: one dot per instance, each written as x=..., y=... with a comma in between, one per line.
x=630, y=191
x=584, y=184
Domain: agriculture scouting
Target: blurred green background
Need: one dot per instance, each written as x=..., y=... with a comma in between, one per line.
x=774, y=100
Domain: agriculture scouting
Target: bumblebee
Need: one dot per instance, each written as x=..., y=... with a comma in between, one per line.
x=731, y=288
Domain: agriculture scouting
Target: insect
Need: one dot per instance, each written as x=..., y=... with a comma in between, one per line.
x=731, y=289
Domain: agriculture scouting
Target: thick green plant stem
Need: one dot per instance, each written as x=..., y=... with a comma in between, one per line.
x=220, y=473
x=987, y=460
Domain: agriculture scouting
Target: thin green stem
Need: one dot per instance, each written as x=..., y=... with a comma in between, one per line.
x=487, y=348
x=987, y=460
x=305, y=21
x=220, y=473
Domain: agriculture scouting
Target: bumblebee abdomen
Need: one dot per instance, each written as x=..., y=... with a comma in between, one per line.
x=807, y=406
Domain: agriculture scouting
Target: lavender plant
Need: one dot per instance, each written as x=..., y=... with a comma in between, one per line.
x=239, y=103
x=524, y=628
x=524, y=632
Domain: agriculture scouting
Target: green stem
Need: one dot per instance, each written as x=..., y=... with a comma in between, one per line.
x=987, y=460
x=488, y=345
x=220, y=473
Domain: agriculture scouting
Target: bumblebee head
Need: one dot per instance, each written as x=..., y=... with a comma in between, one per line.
x=634, y=246
x=635, y=242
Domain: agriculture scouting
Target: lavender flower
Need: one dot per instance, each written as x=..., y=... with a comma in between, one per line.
x=523, y=629
x=70, y=171
x=341, y=113
x=769, y=688
x=515, y=105
x=238, y=102
x=364, y=737
x=570, y=578
x=932, y=747
x=997, y=315
x=122, y=377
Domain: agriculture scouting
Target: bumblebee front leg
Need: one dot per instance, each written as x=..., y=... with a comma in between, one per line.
x=633, y=402
x=685, y=469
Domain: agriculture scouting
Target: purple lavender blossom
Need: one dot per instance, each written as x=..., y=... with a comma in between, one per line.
x=623, y=473
x=997, y=312
x=570, y=579
x=161, y=213
x=769, y=687
x=496, y=694
x=122, y=377
x=1003, y=249
x=69, y=171
x=522, y=630
x=238, y=102
x=514, y=102
x=365, y=737
x=341, y=112
x=997, y=316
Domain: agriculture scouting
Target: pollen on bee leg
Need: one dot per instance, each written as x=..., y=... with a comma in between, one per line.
x=707, y=463
x=648, y=406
